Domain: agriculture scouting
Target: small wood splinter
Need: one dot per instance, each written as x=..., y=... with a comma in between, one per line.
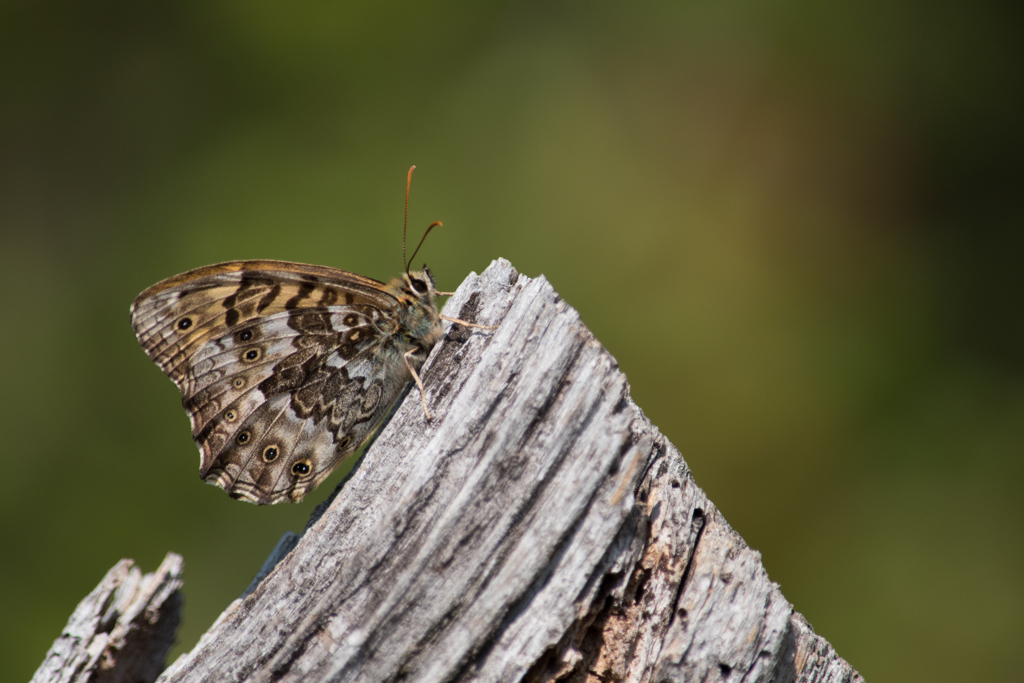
x=468, y=324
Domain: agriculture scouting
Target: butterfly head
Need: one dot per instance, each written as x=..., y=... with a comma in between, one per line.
x=415, y=291
x=418, y=284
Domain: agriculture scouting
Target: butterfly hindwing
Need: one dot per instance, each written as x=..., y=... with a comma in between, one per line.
x=293, y=440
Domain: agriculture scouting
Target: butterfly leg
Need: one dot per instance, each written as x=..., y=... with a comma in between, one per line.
x=415, y=376
x=467, y=324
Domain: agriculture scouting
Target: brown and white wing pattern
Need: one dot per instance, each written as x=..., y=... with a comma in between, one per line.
x=283, y=368
x=173, y=318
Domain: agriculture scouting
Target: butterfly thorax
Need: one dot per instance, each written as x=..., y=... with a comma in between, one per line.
x=418, y=322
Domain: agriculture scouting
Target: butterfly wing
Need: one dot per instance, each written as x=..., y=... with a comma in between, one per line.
x=282, y=367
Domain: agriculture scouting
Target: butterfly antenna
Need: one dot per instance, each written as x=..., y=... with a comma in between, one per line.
x=405, y=221
x=422, y=240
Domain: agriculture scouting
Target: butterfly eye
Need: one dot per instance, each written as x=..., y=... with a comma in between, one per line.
x=231, y=416
x=244, y=335
x=238, y=383
x=270, y=453
x=301, y=468
x=184, y=323
x=344, y=443
x=252, y=354
x=418, y=284
x=243, y=437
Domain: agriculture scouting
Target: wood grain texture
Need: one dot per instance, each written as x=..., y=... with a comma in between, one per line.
x=121, y=631
x=538, y=528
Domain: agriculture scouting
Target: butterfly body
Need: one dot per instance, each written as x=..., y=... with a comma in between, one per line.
x=285, y=369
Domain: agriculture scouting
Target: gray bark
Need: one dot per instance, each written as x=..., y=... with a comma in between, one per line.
x=121, y=631
x=538, y=528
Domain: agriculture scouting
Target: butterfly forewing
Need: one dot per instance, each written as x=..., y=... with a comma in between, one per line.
x=284, y=368
x=174, y=317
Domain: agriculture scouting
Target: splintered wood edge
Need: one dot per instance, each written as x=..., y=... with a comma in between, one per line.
x=122, y=630
x=645, y=581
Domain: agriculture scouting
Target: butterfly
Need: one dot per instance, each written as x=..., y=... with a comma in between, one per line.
x=286, y=369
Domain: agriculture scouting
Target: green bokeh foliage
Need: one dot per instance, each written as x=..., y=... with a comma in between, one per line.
x=796, y=225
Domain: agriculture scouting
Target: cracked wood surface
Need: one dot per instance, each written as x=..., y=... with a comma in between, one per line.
x=539, y=528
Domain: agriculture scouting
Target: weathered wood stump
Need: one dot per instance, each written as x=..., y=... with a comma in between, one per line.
x=537, y=528
x=122, y=630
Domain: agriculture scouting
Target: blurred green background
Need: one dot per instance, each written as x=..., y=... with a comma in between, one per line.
x=797, y=226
